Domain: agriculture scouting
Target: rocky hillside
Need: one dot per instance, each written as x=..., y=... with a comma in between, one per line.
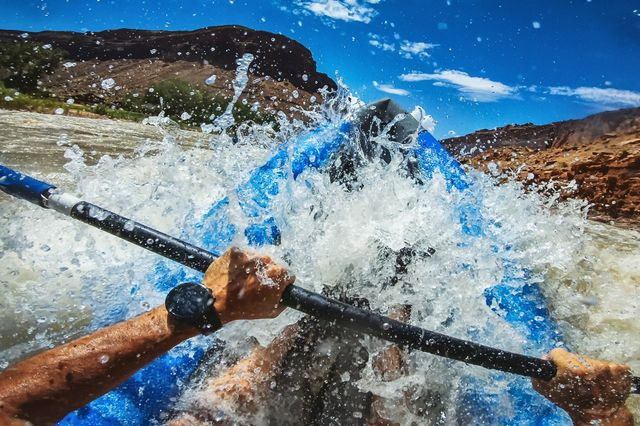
x=601, y=153
x=282, y=74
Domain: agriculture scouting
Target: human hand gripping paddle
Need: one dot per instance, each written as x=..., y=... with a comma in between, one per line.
x=592, y=392
x=361, y=320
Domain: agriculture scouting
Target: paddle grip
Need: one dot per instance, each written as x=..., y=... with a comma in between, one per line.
x=22, y=186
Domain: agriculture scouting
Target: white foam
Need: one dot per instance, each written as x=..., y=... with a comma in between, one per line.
x=60, y=278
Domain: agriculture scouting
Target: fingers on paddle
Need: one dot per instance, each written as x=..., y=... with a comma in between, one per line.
x=280, y=275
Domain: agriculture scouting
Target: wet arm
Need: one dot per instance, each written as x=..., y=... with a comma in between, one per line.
x=44, y=388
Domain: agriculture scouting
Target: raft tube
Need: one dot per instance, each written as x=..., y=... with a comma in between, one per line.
x=517, y=299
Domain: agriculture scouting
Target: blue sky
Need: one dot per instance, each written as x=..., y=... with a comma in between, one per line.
x=470, y=64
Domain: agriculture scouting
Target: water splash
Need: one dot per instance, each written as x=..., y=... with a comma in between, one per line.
x=210, y=80
x=224, y=121
x=331, y=237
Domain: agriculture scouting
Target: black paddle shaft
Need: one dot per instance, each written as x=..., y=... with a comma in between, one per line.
x=143, y=236
x=37, y=192
x=311, y=303
x=314, y=304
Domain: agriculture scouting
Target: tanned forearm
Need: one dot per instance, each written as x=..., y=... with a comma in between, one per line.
x=44, y=388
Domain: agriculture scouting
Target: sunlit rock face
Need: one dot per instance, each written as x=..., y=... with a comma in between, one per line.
x=596, y=159
x=282, y=74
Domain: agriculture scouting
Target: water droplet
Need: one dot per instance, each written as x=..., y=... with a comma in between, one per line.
x=108, y=83
x=219, y=416
x=305, y=77
x=588, y=300
x=386, y=326
x=103, y=359
x=209, y=81
x=129, y=225
x=59, y=111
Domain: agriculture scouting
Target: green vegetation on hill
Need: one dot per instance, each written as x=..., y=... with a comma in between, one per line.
x=187, y=104
x=23, y=63
x=12, y=99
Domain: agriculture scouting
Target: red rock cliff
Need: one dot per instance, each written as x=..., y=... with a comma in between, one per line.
x=601, y=153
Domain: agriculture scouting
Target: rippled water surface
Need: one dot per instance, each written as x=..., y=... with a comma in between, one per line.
x=60, y=278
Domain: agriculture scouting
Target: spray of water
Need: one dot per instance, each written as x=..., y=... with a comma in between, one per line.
x=224, y=121
x=60, y=278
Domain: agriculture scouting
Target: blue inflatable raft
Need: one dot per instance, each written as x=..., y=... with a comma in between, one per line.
x=147, y=396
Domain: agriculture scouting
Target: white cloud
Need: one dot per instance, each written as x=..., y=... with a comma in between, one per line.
x=387, y=47
x=609, y=96
x=478, y=89
x=387, y=88
x=409, y=49
x=343, y=10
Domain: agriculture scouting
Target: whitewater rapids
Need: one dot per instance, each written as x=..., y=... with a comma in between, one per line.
x=61, y=278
